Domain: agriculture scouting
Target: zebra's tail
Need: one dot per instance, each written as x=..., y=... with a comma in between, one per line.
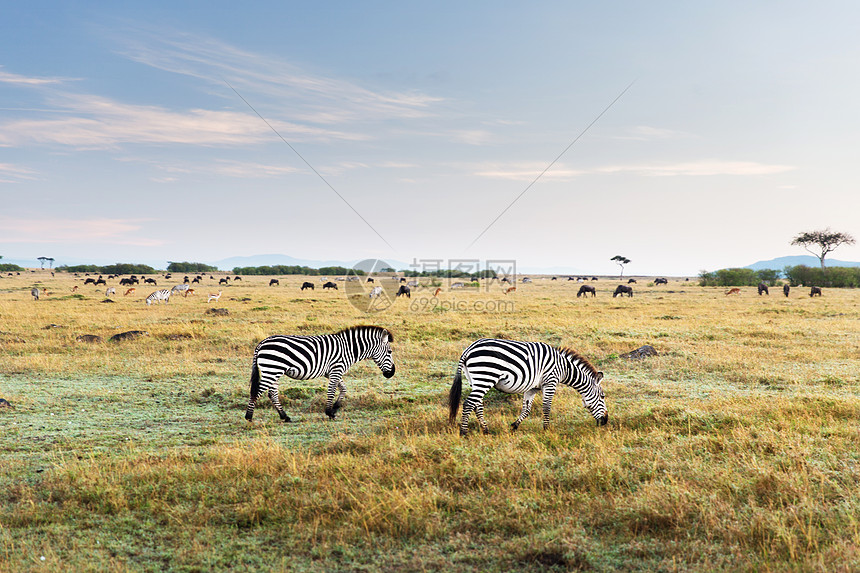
x=255, y=388
x=454, y=395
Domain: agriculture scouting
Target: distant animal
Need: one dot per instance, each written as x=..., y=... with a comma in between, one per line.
x=815, y=291
x=554, y=278
x=631, y=281
x=528, y=368
x=307, y=284
x=274, y=282
x=585, y=289
x=89, y=281
x=35, y=292
x=224, y=281
x=785, y=289
x=459, y=285
x=505, y=280
x=733, y=291
x=329, y=285
x=179, y=288
x=159, y=295
x=370, y=279
x=510, y=289
x=571, y=279
x=150, y=281
x=622, y=290
x=110, y=291
x=404, y=290
x=375, y=292
x=185, y=280
x=527, y=280
x=402, y=280
x=307, y=357
x=127, y=282
x=129, y=291
x=100, y=281
x=195, y=280
x=661, y=281
x=762, y=288
x=214, y=297
x=168, y=276
x=438, y=290
x=594, y=278
x=237, y=278
x=413, y=284
x=189, y=291
x=75, y=288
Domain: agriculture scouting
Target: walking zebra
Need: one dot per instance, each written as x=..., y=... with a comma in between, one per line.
x=159, y=295
x=307, y=357
x=523, y=367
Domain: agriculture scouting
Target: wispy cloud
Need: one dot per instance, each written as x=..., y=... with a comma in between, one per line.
x=650, y=133
x=16, y=79
x=10, y=173
x=99, y=122
x=58, y=230
x=710, y=167
x=312, y=97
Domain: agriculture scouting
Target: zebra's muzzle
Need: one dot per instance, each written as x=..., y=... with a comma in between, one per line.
x=390, y=373
x=601, y=421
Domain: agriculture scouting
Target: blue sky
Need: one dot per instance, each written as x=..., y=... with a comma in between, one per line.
x=122, y=140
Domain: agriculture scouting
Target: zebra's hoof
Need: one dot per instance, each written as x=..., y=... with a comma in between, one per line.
x=331, y=413
x=514, y=426
x=249, y=415
x=286, y=419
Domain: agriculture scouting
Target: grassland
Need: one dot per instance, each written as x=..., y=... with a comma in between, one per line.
x=736, y=448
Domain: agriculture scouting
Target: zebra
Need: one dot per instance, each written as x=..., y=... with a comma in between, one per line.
x=159, y=295
x=529, y=368
x=180, y=288
x=307, y=357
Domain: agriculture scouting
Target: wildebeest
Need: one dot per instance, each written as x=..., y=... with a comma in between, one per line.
x=100, y=281
x=90, y=281
x=273, y=282
x=622, y=290
x=150, y=281
x=631, y=281
x=370, y=279
x=762, y=288
x=585, y=289
x=306, y=284
x=661, y=281
x=329, y=285
x=125, y=282
x=815, y=291
x=405, y=291
x=785, y=289
x=224, y=281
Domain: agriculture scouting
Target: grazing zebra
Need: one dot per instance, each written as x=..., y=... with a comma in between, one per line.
x=179, y=288
x=375, y=292
x=307, y=357
x=523, y=367
x=159, y=295
x=35, y=292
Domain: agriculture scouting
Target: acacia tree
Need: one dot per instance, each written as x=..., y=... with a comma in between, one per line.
x=621, y=261
x=823, y=241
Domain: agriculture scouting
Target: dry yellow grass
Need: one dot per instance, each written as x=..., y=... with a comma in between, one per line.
x=734, y=449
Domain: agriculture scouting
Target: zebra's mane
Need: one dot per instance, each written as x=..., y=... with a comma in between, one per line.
x=574, y=355
x=368, y=327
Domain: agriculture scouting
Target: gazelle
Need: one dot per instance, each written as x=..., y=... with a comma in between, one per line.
x=214, y=297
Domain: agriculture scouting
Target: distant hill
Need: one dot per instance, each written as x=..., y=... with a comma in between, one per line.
x=780, y=263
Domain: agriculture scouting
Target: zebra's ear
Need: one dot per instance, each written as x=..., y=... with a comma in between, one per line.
x=599, y=377
x=390, y=336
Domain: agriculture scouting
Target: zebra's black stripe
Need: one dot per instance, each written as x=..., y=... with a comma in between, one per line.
x=528, y=368
x=307, y=357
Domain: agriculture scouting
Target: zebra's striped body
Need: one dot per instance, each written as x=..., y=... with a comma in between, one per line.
x=179, y=288
x=526, y=368
x=159, y=295
x=307, y=357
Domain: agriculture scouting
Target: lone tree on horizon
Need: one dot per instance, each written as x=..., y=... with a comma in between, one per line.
x=43, y=260
x=621, y=262
x=826, y=241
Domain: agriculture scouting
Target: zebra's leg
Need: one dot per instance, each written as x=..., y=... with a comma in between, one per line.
x=341, y=395
x=528, y=398
x=548, y=393
x=273, y=398
x=479, y=413
x=335, y=382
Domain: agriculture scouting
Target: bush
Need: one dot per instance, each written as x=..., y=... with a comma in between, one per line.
x=835, y=277
x=116, y=269
x=186, y=267
x=10, y=268
x=295, y=270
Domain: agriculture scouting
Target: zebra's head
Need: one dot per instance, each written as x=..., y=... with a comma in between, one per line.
x=381, y=353
x=595, y=401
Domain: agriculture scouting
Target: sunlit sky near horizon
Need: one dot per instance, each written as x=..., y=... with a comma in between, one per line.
x=122, y=140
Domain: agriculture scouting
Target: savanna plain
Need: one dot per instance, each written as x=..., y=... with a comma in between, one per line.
x=736, y=448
